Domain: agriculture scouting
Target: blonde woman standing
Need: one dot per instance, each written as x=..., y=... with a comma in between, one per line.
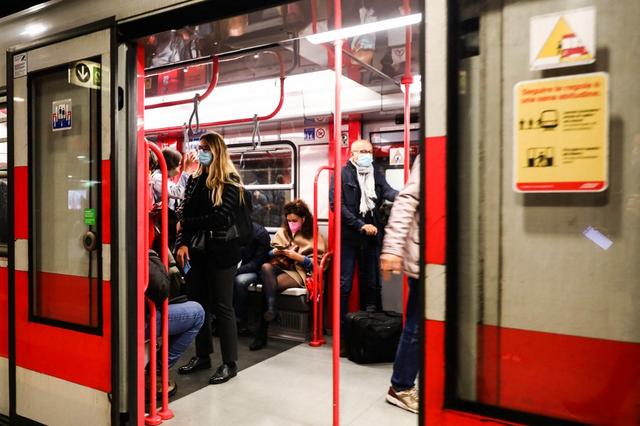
x=209, y=251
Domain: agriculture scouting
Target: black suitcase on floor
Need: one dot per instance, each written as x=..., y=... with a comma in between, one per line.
x=372, y=337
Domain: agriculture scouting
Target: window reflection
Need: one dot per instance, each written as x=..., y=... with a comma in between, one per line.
x=268, y=176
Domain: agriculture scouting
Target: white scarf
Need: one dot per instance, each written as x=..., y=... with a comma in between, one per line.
x=367, y=188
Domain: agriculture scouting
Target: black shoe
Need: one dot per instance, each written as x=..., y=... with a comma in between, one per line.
x=272, y=312
x=172, y=388
x=257, y=344
x=224, y=373
x=196, y=363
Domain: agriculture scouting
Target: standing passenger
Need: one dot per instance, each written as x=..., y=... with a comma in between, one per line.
x=402, y=245
x=212, y=202
x=363, y=192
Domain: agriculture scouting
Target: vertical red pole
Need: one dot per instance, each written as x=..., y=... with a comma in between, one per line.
x=406, y=81
x=337, y=196
x=142, y=207
x=316, y=337
x=152, y=419
x=165, y=413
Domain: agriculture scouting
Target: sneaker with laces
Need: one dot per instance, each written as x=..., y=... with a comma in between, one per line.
x=406, y=399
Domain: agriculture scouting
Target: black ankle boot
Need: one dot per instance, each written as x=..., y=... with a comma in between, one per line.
x=272, y=311
x=260, y=341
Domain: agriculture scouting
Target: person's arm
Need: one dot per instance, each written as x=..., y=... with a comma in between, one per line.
x=388, y=193
x=348, y=218
x=176, y=191
x=260, y=255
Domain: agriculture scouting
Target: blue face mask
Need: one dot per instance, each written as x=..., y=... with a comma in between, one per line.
x=205, y=157
x=364, y=160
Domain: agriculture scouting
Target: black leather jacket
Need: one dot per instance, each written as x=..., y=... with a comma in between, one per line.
x=197, y=212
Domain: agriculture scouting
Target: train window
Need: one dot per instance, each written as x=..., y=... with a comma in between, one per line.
x=64, y=165
x=4, y=223
x=268, y=175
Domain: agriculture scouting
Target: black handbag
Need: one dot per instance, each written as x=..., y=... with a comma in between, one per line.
x=198, y=243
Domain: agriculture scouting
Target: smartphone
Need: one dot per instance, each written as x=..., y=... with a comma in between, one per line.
x=187, y=267
x=279, y=247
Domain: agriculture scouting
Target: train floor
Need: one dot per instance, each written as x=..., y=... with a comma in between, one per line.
x=190, y=383
x=290, y=385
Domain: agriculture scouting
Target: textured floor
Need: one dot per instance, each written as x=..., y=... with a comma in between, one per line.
x=294, y=388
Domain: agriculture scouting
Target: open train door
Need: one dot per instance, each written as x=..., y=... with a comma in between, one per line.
x=60, y=96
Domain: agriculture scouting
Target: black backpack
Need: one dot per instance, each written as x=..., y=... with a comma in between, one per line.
x=159, y=282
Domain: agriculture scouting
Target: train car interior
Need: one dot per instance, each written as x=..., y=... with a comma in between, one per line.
x=268, y=90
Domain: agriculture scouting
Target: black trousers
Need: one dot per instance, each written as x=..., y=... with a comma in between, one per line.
x=366, y=252
x=212, y=287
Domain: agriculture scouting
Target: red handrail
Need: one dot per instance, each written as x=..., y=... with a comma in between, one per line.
x=269, y=116
x=337, y=138
x=151, y=419
x=165, y=413
x=316, y=337
x=212, y=84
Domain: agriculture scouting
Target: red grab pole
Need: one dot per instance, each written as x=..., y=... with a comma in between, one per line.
x=212, y=84
x=165, y=413
x=337, y=196
x=151, y=419
x=316, y=336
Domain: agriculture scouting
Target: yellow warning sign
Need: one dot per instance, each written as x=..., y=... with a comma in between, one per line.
x=561, y=137
x=563, y=39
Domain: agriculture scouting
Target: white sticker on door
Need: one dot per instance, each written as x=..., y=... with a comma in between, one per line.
x=61, y=115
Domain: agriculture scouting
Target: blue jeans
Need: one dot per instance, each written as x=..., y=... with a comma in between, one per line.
x=405, y=366
x=241, y=294
x=185, y=320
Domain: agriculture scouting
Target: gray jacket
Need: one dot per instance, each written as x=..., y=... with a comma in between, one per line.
x=402, y=234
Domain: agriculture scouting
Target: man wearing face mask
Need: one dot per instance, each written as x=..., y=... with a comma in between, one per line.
x=363, y=192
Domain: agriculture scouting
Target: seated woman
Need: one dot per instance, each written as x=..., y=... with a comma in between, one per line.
x=291, y=262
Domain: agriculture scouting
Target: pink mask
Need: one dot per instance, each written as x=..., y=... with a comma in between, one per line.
x=294, y=227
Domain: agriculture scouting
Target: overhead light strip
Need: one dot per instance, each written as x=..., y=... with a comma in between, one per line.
x=372, y=27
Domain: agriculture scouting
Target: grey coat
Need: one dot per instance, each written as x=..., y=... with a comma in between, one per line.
x=402, y=234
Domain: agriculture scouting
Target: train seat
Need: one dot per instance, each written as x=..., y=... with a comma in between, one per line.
x=294, y=309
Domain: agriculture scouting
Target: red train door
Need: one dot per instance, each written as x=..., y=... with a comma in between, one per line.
x=59, y=254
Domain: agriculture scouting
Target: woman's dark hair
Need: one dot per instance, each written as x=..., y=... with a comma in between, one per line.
x=172, y=158
x=300, y=209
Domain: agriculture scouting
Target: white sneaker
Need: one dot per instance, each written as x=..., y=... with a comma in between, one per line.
x=407, y=399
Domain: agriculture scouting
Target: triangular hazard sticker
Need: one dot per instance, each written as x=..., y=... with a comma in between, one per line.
x=563, y=45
